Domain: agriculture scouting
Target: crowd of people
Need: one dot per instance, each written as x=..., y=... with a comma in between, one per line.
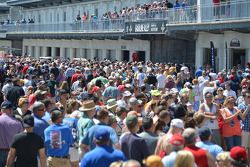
x=87, y=113
x=146, y=11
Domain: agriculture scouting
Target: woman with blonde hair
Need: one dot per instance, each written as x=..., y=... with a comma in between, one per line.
x=231, y=129
x=64, y=86
x=223, y=160
x=184, y=157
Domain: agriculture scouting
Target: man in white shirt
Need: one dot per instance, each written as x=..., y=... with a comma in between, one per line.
x=161, y=80
x=141, y=77
x=228, y=91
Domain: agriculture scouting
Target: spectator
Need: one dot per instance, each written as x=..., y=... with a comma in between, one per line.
x=9, y=127
x=184, y=157
x=58, y=138
x=23, y=155
x=201, y=156
x=148, y=134
x=205, y=135
x=103, y=154
x=133, y=146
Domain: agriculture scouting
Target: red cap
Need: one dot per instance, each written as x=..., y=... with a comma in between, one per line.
x=177, y=140
x=95, y=89
x=121, y=88
x=238, y=153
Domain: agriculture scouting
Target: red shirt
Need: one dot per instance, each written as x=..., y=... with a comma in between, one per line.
x=200, y=155
x=216, y=2
x=75, y=76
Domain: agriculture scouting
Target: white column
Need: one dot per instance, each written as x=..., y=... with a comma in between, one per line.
x=101, y=54
x=44, y=52
x=92, y=54
x=247, y=55
x=198, y=57
x=62, y=53
x=118, y=54
x=71, y=53
x=30, y=51
x=53, y=52
x=147, y=55
x=81, y=52
x=198, y=11
x=37, y=52
x=221, y=57
x=23, y=51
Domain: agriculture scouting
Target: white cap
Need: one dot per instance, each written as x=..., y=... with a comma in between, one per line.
x=177, y=123
x=127, y=93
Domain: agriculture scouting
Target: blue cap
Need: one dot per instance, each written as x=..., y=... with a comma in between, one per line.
x=6, y=105
x=102, y=134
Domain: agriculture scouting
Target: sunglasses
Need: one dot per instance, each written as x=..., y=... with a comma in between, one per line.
x=209, y=97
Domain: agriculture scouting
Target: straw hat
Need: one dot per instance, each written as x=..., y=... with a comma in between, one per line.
x=111, y=103
x=87, y=106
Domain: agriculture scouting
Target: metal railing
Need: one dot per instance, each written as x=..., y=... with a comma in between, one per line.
x=232, y=10
x=86, y=26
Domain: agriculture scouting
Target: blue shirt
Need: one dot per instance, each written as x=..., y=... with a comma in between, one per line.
x=212, y=148
x=39, y=126
x=69, y=72
x=88, y=139
x=246, y=122
x=169, y=160
x=58, y=138
x=102, y=156
x=47, y=117
x=72, y=123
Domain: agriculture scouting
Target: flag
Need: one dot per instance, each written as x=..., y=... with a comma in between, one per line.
x=212, y=56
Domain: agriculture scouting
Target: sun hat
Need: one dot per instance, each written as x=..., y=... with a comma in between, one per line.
x=87, y=106
x=111, y=103
x=155, y=93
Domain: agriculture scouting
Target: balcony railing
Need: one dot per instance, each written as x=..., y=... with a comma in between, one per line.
x=84, y=27
x=230, y=11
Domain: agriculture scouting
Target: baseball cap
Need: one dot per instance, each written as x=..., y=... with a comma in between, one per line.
x=127, y=93
x=238, y=153
x=6, y=105
x=177, y=140
x=133, y=101
x=102, y=134
x=131, y=121
x=155, y=93
x=28, y=121
x=177, y=123
x=153, y=160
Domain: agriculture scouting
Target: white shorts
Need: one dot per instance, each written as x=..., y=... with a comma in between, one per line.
x=74, y=155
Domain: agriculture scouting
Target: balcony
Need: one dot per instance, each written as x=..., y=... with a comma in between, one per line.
x=224, y=16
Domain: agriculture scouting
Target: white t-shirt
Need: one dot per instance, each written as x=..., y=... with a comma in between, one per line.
x=230, y=93
x=161, y=79
x=140, y=78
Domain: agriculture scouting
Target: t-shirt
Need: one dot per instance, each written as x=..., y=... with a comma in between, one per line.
x=102, y=156
x=58, y=139
x=27, y=146
x=161, y=81
x=199, y=154
x=134, y=147
x=212, y=148
x=140, y=77
x=39, y=126
x=88, y=139
x=151, y=141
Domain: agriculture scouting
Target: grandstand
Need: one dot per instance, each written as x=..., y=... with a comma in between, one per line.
x=116, y=30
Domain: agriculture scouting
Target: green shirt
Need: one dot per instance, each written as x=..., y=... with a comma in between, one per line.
x=84, y=123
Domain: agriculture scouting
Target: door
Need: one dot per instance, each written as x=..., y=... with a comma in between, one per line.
x=142, y=55
x=125, y=54
x=238, y=57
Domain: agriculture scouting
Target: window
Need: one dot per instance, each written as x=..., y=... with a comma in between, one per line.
x=96, y=12
x=64, y=16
